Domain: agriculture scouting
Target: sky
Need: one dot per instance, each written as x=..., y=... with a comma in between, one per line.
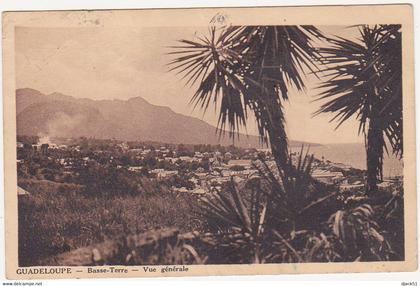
x=120, y=63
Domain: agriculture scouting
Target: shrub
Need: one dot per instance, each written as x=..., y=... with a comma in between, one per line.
x=287, y=216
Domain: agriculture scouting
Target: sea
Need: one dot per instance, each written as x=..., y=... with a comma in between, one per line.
x=353, y=154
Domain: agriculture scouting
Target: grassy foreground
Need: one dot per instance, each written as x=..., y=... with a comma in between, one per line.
x=60, y=217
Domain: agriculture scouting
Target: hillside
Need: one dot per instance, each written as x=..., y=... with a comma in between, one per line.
x=58, y=115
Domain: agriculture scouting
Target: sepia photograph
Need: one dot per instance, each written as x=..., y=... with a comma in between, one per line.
x=219, y=142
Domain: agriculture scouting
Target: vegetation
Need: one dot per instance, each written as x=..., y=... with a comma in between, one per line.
x=283, y=215
x=274, y=218
x=301, y=220
x=252, y=68
x=59, y=217
x=249, y=68
x=364, y=78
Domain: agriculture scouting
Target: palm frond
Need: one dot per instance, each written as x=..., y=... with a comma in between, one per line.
x=241, y=67
x=363, y=81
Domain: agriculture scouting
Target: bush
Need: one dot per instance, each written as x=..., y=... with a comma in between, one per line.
x=287, y=217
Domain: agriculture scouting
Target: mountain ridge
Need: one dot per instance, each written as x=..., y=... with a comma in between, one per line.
x=133, y=119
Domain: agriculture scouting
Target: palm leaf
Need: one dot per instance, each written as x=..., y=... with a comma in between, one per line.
x=237, y=67
x=363, y=80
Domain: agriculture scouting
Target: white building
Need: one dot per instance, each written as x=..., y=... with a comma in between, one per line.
x=326, y=176
x=135, y=168
x=242, y=163
x=162, y=173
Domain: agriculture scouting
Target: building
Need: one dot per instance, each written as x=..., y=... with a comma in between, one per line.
x=385, y=185
x=135, y=168
x=124, y=146
x=242, y=163
x=226, y=173
x=341, y=166
x=171, y=159
x=198, y=155
x=352, y=187
x=228, y=156
x=197, y=191
x=187, y=158
x=326, y=176
x=162, y=173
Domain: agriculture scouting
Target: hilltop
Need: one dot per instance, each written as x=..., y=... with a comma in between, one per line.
x=59, y=115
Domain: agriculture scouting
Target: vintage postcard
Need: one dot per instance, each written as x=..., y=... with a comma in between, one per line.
x=222, y=141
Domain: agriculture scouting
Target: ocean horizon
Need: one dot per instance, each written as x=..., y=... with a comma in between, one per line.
x=353, y=154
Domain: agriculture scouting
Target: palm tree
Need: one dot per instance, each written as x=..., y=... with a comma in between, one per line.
x=249, y=68
x=364, y=79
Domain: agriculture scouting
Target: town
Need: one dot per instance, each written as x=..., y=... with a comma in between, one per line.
x=194, y=169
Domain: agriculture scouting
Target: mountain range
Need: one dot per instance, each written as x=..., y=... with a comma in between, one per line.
x=135, y=119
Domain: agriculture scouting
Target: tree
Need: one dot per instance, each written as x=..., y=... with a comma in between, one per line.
x=248, y=68
x=364, y=79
